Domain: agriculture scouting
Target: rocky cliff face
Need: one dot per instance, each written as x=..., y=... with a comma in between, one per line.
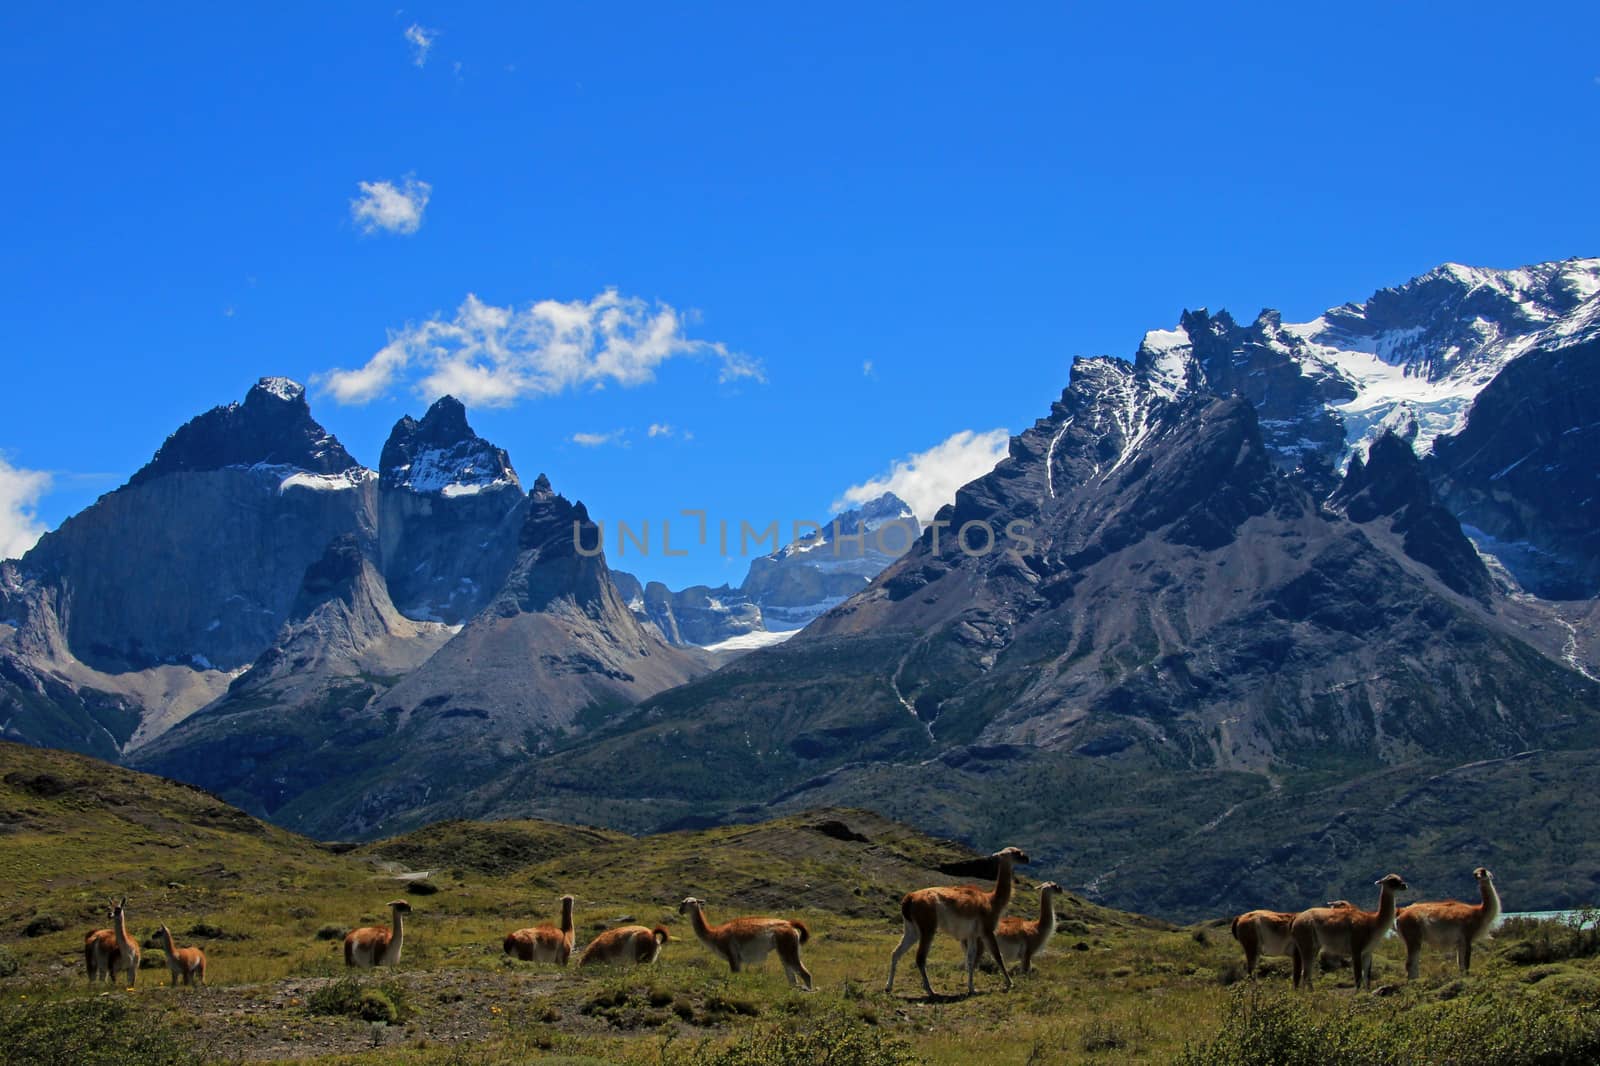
x=356, y=750
x=450, y=508
x=1524, y=472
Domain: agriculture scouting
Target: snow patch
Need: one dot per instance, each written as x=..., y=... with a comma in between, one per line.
x=759, y=638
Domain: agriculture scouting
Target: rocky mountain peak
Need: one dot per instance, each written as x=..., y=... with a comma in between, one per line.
x=1392, y=484
x=440, y=454
x=272, y=428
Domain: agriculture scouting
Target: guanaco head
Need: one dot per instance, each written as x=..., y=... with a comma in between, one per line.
x=1049, y=886
x=1394, y=881
x=567, y=902
x=399, y=906
x=690, y=904
x=164, y=936
x=1016, y=855
x=117, y=907
x=1337, y=903
x=1483, y=875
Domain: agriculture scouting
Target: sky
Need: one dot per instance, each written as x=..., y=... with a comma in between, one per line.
x=745, y=258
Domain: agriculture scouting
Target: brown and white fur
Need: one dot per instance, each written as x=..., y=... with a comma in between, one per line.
x=373, y=945
x=1348, y=931
x=625, y=945
x=966, y=912
x=105, y=951
x=544, y=943
x=1022, y=940
x=1449, y=924
x=186, y=963
x=1264, y=932
x=748, y=941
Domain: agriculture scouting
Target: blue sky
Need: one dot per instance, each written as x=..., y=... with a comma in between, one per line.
x=963, y=198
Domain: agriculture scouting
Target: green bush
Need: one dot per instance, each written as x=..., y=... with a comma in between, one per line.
x=331, y=932
x=835, y=1039
x=1532, y=940
x=351, y=998
x=1487, y=1027
x=94, y=1032
x=8, y=963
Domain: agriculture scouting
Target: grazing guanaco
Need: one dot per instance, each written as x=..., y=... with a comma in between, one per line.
x=373, y=945
x=1023, y=940
x=1449, y=924
x=1265, y=932
x=186, y=963
x=625, y=945
x=748, y=940
x=544, y=943
x=1348, y=931
x=105, y=951
x=966, y=912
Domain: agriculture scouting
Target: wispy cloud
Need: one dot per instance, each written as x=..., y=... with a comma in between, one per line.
x=391, y=208
x=868, y=370
x=928, y=480
x=421, y=40
x=659, y=429
x=495, y=356
x=596, y=440
x=19, y=495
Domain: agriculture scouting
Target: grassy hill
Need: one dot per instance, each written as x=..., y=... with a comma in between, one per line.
x=269, y=908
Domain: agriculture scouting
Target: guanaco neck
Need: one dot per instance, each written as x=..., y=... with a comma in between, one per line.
x=121, y=927
x=1491, y=901
x=399, y=933
x=697, y=918
x=1047, y=912
x=164, y=937
x=566, y=917
x=1385, y=909
x=1001, y=896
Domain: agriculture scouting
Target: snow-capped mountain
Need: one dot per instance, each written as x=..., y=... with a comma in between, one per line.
x=785, y=590
x=1410, y=359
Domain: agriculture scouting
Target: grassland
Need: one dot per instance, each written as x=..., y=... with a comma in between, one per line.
x=269, y=907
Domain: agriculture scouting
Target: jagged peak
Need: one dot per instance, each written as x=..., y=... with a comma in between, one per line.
x=272, y=429
x=441, y=455
x=280, y=388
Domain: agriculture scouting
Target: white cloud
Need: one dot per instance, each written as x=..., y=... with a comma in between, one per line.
x=595, y=440
x=421, y=40
x=868, y=370
x=660, y=429
x=392, y=208
x=497, y=355
x=19, y=494
x=929, y=480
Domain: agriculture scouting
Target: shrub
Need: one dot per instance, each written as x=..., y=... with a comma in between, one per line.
x=1534, y=940
x=421, y=887
x=833, y=1039
x=352, y=999
x=93, y=1032
x=8, y=963
x=331, y=932
x=1485, y=1027
x=43, y=925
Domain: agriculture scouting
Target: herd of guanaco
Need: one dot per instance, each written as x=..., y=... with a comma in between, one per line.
x=1342, y=930
x=971, y=914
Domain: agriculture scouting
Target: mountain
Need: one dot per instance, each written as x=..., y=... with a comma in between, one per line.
x=141, y=608
x=398, y=717
x=230, y=613
x=782, y=591
x=1160, y=615
x=450, y=508
x=1418, y=359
